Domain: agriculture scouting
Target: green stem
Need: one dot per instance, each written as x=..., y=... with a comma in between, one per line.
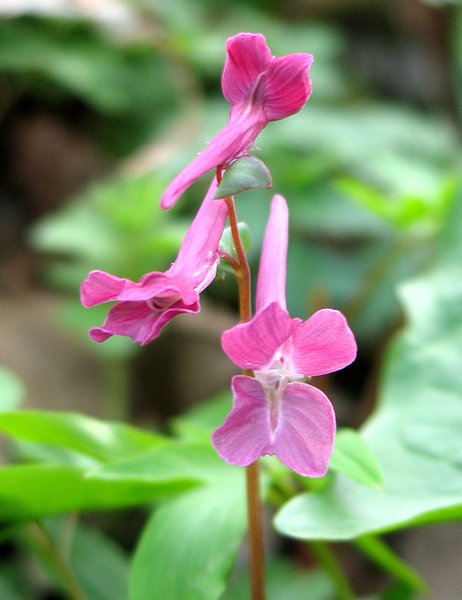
x=332, y=566
x=254, y=506
x=378, y=552
x=371, y=281
x=116, y=381
x=47, y=547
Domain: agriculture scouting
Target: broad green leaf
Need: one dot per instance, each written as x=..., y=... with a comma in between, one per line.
x=11, y=390
x=353, y=457
x=59, y=489
x=105, y=441
x=168, y=460
x=100, y=565
x=415, y=432
x=13, y=584
x=285, y=582
x=200, y=530
x=247, y=173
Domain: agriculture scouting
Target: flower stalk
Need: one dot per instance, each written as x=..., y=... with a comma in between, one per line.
x=254, y=505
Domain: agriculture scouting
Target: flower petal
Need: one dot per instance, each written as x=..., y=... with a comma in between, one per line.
x=271, y=284
x=245, y=434
x=138, y=321
x=198, y=257
x=286, y=86
x=252, y=345
x=229, y=143
x=100, y=287
x=247, y=57
x=304, y=437
x=323, y=344
x=150, y=286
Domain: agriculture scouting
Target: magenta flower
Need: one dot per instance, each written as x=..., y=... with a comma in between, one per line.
x=145, y=307
x=260, y=88
x=271, y=414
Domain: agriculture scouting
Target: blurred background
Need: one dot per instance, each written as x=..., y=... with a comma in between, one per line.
x=103, y=101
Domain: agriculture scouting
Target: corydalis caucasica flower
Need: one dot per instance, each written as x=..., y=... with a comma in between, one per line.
x=272, y=413
x=260, y=88
x=143, y=308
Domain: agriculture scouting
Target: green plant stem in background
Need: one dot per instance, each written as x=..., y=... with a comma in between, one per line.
x=46, y=546
x=378, y=552
x=116, y=380
x=254, y=507
x=334, y=570
x=372, y=280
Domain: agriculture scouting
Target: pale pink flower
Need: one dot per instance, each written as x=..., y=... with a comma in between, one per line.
x=260, y=88
x=145, y=307
x=271, y=414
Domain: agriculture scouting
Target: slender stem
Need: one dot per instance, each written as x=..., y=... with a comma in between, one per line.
x=116, y=381
x=254, y=517
x=254, y=506
x=49, y=550
x=377, y=551
x=371, y=282
x=243, y=272
x=333, y=568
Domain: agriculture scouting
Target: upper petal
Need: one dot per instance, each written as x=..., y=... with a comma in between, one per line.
x=247, y=57
x=229, y=143
x=252, y=345
x=271, y=283
x=150, y=286
x=100, y=287
x=245, y=434
x=304, y=437
x=286, y=86
x=323, y=344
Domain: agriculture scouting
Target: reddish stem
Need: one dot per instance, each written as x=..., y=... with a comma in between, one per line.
x=254, y=506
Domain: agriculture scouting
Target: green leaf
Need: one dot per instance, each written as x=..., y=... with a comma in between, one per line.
x=415, y=433
x=59, y=489
x=11, y=390
x=353, y=457
x=13, y=584
x=102, y=440
x=248, y=173
x=285, y=582
x=99, y=565
x=200, y=530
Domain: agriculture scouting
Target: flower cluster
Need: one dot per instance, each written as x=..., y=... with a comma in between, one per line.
x=273, y=411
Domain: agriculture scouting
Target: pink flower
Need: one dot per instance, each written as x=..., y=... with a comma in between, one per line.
x=271, y=414
x=260, y=88
x=145, y=307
